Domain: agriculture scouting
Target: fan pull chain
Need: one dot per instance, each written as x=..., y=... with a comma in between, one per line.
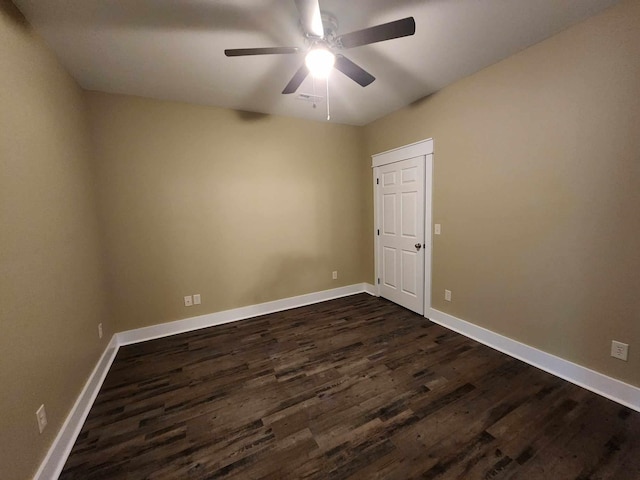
x=328, y=113
x=313, y=83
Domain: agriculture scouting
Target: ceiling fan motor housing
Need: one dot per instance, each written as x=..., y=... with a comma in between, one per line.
x=330, y=25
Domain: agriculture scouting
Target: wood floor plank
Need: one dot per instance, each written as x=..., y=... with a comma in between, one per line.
x=351, y=388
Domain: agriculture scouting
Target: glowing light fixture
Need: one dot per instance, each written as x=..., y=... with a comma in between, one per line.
x=320, y=61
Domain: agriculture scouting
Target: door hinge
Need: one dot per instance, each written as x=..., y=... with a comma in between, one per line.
x=378, y=281
x=377, y=181
x=378, y=231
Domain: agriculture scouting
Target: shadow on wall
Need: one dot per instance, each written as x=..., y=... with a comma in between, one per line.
x=12, y=12
x=421, y=101
x=251, y=116
x=281, y=272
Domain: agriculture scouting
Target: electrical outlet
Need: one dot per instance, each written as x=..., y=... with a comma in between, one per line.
x=334, y=275
x=437, y=229
x=188, y=301
x=447, y=295
x=196, y=299
x=99, y=330
x=619, y=350
x=41, y=415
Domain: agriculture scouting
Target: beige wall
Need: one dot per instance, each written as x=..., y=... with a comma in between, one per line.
x=537, y=188
x=241, y=208
x=51, y=282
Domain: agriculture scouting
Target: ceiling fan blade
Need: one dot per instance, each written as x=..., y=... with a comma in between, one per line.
x=353, y=71
x=241, y=52
x=379, y=33
x=297, y=79
x=310, y=17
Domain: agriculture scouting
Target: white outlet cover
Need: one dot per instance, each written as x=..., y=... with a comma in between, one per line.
x=437, y=229
x=447, y=295
x=619, y=350
x=334, y=274
x=188, y=301
x=99, y=330
x=196, y=299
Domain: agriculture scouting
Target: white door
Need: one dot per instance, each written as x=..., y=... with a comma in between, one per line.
x=400, y=193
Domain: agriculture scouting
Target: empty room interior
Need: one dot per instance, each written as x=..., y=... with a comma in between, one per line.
x=300, y=239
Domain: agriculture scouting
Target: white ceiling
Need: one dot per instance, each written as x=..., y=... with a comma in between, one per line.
x=173, y=49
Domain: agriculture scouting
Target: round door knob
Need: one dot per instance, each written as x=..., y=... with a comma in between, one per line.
x=418, y=246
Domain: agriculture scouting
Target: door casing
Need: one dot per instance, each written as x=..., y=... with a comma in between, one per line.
x=423, y=148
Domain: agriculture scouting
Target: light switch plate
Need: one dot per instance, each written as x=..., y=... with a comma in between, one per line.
x=436, y=229
x=196, y=299
x=41, y=415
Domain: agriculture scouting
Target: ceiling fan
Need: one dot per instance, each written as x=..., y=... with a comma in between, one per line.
x=320, y=31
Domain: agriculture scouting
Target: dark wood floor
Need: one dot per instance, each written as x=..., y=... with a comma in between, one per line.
x=352, y=388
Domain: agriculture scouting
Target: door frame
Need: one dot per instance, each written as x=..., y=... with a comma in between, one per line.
x=423, y=148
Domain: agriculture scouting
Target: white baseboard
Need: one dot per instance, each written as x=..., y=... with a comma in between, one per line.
x=227, y=316
x=608, y=387
x=53, y=463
